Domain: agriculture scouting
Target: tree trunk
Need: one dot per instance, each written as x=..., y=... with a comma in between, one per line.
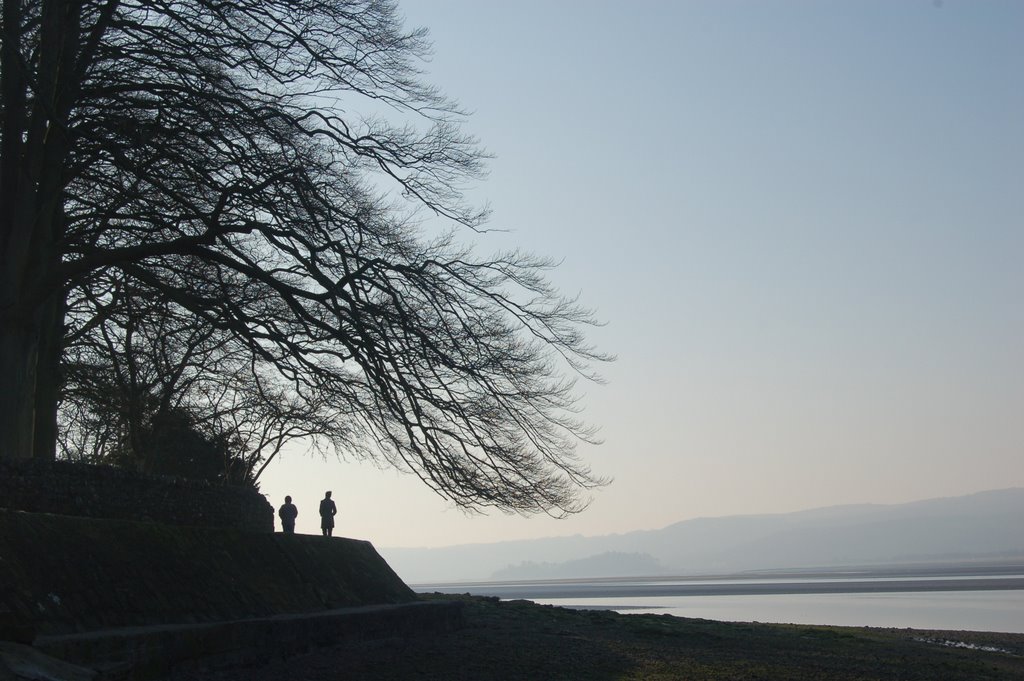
x=19, y=351
x=33, y=151
x=48, y=378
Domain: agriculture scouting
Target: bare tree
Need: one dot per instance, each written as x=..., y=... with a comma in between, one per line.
x=134, y=363
x=208, y=154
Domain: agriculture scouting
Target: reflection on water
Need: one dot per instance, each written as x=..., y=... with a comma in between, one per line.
x=957, y=610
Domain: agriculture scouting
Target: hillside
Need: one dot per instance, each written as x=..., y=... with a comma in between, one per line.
x=986, y=524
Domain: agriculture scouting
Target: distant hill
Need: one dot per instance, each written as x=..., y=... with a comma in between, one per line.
x=986, y=524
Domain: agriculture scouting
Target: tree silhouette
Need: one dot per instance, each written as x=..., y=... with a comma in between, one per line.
x=131, y=362
x=210, y=155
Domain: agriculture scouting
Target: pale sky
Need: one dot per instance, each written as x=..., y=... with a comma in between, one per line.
x=803, y=223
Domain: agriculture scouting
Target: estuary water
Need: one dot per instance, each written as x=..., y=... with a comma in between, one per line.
x=967, y=598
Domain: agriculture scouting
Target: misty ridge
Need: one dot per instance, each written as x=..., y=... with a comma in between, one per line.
x=985, y=525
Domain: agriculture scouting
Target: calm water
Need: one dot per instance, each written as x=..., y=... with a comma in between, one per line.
x=959, y=610
x=992, y=600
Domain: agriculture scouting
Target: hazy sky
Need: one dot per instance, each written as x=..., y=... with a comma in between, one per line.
x=803, y=223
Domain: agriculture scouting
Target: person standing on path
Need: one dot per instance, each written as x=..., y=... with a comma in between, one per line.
x=287, y=513
x=327, y=512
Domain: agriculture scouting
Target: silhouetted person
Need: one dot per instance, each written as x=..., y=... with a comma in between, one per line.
x=287, y=513
x=327, y=512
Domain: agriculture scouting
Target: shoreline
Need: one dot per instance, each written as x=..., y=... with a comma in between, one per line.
x=995, y=568
x=847, y=579
x=520, y=641
x=547, y=591
x=950, y=597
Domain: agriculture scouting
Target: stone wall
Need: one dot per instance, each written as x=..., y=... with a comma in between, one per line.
x=76, y=489
x=62, y=574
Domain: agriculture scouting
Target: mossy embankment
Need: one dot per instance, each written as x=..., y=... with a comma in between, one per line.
x=64, y=574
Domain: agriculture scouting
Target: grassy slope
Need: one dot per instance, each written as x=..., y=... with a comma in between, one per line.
x=511, y=641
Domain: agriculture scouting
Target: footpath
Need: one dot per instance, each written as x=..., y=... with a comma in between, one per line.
x=146, y=653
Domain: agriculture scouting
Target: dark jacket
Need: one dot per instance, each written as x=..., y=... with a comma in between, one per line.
x=327, y=512
x=287, y=513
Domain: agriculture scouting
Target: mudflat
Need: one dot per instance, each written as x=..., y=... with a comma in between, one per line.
x=995, y=576
x=644, y=590
x=519, y=640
